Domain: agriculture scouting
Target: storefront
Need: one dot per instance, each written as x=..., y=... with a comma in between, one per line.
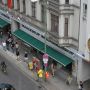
x=38, y=45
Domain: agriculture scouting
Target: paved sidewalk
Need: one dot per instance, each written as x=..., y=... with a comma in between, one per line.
x=54, y=83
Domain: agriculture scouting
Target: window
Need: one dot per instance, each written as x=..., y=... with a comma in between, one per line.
x=54, y=23
x=34, y=9
x=66, y=1
x=84, y=10
x=43, y=13
x=18, y=4
x=24, y=6
x=66, y=28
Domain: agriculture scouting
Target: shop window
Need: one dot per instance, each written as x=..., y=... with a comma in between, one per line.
x=66, y=28
x=54, y=23
x=43, y=13
x=84, y=11
x=34, y=9
x=66, y=1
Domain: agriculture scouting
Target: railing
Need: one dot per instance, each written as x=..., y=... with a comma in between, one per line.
x=62, y=41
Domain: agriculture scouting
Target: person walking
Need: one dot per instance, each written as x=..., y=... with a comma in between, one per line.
x=26, y=56
x=13, y=46
x=69, y=79
x=53, y=69
x=80, y=86
x=40, y=76
x=17, y=54
x=7, y=44
x=4, y=45
x=16, y=46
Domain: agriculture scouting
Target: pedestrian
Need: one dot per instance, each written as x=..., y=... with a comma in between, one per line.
x=40, y=76
x=12, y=46
x=80, y=85
x=7, y=44
x=34, y=63
x=16, y=46
x=69, y=79
x=53, y=69
x=26, y=56
x=4, y=45
x=17, y=54
x=30, y=65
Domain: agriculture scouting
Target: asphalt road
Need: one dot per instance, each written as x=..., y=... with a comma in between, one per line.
x=16, y=78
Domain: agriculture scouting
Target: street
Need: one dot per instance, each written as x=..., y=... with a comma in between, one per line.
x=16, y=78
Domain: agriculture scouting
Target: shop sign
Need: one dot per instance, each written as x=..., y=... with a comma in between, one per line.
x=33, y=31
x=5, y=16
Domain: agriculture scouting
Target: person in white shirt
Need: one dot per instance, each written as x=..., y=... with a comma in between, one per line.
x=4, y=45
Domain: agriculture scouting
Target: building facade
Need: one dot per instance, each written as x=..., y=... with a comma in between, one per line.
x=63, y=23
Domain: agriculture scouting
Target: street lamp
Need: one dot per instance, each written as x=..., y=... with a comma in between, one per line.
x=45, y=56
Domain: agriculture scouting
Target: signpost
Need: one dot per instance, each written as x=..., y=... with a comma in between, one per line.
x=45, y=60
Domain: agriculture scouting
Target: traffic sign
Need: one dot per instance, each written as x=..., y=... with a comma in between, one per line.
x=45, y=58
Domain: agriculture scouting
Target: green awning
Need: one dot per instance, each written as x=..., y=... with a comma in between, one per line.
x=3, y=23
x=61, y=58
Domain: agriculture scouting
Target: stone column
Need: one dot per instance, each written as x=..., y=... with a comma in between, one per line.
x=61, y=27
x=21, y=5
x=38, y=11
x=70, y=26
x=48, y=21
x=15, y=5
x=28, y=8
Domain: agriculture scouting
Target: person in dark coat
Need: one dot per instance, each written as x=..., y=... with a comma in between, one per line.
x=7, y=44
x=26, y=56
x=13, y=47
x=17, y=54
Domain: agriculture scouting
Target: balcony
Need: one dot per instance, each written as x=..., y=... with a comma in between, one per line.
x=66, y=9
x=62, y=41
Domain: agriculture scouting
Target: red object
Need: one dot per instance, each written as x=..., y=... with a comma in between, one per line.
x=47, y=75
x=10, y=4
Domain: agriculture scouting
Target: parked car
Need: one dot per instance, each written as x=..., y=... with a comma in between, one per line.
x=6, y=86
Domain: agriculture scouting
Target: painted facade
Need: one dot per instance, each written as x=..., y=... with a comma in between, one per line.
x=74, y=39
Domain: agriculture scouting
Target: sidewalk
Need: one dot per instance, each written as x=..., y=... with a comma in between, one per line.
x=54, y=83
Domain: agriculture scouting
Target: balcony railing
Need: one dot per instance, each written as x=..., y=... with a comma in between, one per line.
x=62, y=41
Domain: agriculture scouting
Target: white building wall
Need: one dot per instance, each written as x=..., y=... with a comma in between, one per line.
x=48, y=20
x=28, y=8
x=61, y=25
x=83, y=37
x=76, y=24
x=21, y=5
x=84, y=34
x=38, y=11
x=87, y=55
x=85, y=71
x=71, y=24
x=62, y=1
x=15, y=4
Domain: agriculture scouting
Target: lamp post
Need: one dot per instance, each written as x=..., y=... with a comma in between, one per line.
x=45, y=56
